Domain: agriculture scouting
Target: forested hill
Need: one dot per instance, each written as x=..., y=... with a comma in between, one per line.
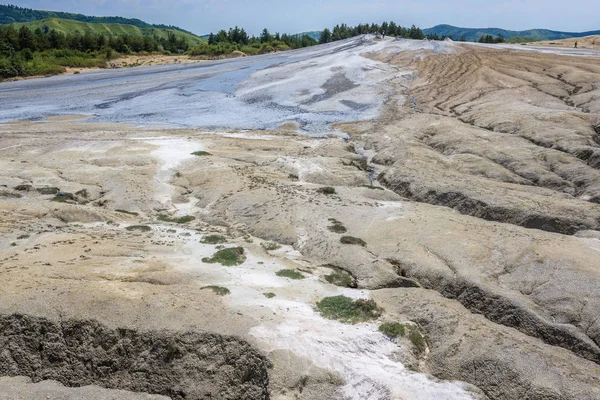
x=473, y=34
x=10, y=14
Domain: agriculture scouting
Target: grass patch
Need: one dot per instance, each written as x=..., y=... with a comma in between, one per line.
x=270, y=246
x=227, y=257
x=48, y=190
x=290, y=273
x=417, y=339
x=201, y=153
x=128, y=212
x=213, y=239
x=218, y=290
x=6, y=193
x=353, y=241
x=141, y=228
x=393, y=329
x=336, y=226
x=176, y=220
x=339, y=277
x=328, y=190
x=269, y=295
x=347, y=310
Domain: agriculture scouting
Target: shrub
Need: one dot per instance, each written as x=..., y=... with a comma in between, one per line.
x=227, y=257
x=269, y=295
x=201, y=153
x=328, y=190
x=141, y=228
x=21, y=237
x=176, y=220
x=291, y=274
x=353, y=241
x=218, y=290
x=213, y=239
x=347, y=310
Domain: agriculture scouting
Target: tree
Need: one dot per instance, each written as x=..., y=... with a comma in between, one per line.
x=265, y=36
x=325, y=36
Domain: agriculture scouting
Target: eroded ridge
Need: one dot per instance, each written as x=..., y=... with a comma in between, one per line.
x=179, y=365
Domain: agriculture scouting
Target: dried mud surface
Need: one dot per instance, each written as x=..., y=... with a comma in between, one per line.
x=475, y=189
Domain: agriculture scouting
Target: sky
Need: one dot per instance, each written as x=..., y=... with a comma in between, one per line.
x=285, y=16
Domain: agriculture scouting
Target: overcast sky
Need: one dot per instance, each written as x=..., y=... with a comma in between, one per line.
x=204, y=16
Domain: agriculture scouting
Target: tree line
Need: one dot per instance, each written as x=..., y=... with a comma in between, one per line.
x=344, y=31
x=491, y=39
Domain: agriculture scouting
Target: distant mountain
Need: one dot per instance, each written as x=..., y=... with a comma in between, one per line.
x=67, y=26
x=472, y=34
x=10, y=14
x=312, y=34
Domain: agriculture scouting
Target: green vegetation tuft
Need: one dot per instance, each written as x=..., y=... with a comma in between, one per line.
x=48, y=190
x=201, y=153
x=339, y=277
x=227, y=257
x=128, y=212
x=21, y=237
x=141, y=228
x=418, y=340
x=213, y=239
x=336, y=226
x=393, y=329
x=291, y=274
x=328, y=190
x=219, y=290
x=9, y=194
x=269, y=295
x=353, y=241
x=347, y=310
x=270, y=246
x=63, y=198
x=176, y=220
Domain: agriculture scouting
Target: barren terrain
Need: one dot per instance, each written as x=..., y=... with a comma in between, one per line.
x=470, y=174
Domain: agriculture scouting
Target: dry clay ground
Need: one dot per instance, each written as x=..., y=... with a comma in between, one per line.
x=476, y=193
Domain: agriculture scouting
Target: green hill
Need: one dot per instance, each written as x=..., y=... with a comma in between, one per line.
x=473, y=34
x=113, y=29
x=69, y=23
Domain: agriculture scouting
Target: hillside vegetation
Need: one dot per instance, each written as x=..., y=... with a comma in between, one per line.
x=69, y=26
x=474, y=34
